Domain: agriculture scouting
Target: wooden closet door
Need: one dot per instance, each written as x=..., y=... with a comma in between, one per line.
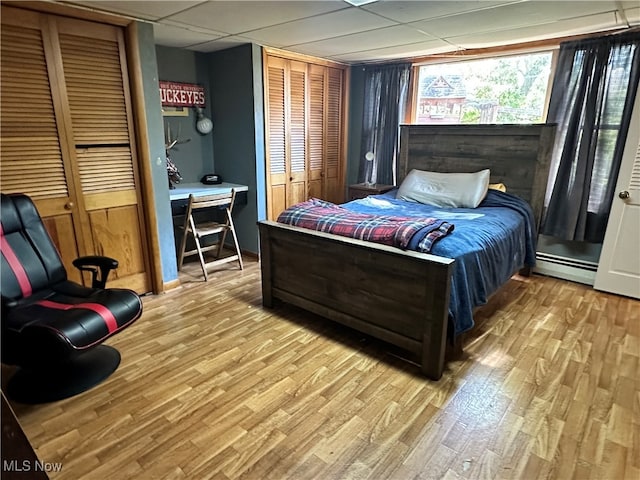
x=93, y=82
x=297, y=133
x=325, y=132
x=317, y=96
x=333, y=186
x=276, y=137
x=287, y=134
x=304, y=132
x=66, y=138
x=34, y=152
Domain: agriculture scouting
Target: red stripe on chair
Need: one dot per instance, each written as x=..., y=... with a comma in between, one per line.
x=15, y=265
x=107, y=316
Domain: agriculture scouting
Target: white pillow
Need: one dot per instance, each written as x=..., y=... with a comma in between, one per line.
x=460, y=190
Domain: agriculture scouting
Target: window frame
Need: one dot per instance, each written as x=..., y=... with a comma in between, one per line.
x=477, y=54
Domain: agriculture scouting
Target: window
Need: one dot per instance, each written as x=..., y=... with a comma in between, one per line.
x=510, y=89
x=608, y=131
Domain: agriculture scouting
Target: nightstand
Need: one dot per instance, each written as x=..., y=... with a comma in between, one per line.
x=361, y=190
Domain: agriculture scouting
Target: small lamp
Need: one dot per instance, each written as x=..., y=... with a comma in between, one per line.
x=369, y=169
x=204, y=125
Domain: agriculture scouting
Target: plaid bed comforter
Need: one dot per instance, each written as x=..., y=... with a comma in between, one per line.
x=395, y=231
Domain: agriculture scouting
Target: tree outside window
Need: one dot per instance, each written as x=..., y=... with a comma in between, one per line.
x=509, y=89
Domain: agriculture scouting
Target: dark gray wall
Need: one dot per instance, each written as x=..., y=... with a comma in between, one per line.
x=238, y=136
x=155, y=148
x=194, y=158
x=235, y=149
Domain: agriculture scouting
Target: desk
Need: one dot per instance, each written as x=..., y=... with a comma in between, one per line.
x=183, y=190
x=180, y=195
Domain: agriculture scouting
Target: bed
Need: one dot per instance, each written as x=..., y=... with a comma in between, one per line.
x=400, y=296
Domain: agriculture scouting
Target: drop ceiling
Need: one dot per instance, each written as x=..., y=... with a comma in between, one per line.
x=379, y=31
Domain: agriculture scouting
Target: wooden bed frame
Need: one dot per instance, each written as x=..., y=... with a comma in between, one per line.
x=401, y=297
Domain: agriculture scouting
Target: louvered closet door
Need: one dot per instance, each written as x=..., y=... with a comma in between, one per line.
x=286, y=133
x=317, y=97
x=297, y=144
x=304, y=103
x=95, y=84
x=333, y=183
x=34, y=155
x=325, y=133
x=275, y=131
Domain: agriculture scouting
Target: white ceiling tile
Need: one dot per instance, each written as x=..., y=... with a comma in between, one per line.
x=633, y=16
x=410, y=11
x=241, y=16
x=150, y=10
x=381, y=30
x=220, y=44
x=380, y=38
x=171, y=36
x=505, y=17
x=192, y=28
x=400, y=51
x=319, y=27
x=590, y=24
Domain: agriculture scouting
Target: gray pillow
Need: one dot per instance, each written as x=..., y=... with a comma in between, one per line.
x=459, y=190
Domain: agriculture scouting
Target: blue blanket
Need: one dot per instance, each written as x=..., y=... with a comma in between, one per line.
x=489, y=244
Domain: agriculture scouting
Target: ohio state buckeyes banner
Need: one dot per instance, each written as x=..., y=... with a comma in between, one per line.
x=174, y=94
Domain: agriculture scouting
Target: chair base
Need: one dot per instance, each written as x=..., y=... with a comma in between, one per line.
x=46, y=385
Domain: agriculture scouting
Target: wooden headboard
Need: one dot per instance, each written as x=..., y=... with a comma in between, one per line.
x=517, y=155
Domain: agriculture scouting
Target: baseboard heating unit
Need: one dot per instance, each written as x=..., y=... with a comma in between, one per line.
x=566, y=268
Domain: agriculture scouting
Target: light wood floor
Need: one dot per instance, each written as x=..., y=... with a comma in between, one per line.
x=212, y=385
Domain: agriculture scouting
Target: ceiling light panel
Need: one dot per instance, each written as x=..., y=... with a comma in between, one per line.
x=359, y=3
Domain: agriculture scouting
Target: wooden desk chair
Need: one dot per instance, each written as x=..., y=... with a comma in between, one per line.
x=204, y=229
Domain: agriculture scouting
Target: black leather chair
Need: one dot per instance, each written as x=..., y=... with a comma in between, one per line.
x=53, y=328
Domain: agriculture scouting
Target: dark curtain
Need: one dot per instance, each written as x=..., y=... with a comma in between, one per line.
x=385, y=91
x=591, y=101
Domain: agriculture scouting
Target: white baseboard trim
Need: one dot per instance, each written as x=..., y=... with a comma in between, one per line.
x=566, y=268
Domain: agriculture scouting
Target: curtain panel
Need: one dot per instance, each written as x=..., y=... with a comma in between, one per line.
x=591, y=101
x=384, y=100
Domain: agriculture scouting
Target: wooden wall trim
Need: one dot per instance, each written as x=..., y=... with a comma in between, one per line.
x=171, y=285
x=144, y=159
x=74, y=11
x=552, y=75
x=275, y=52
x=252, y=255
